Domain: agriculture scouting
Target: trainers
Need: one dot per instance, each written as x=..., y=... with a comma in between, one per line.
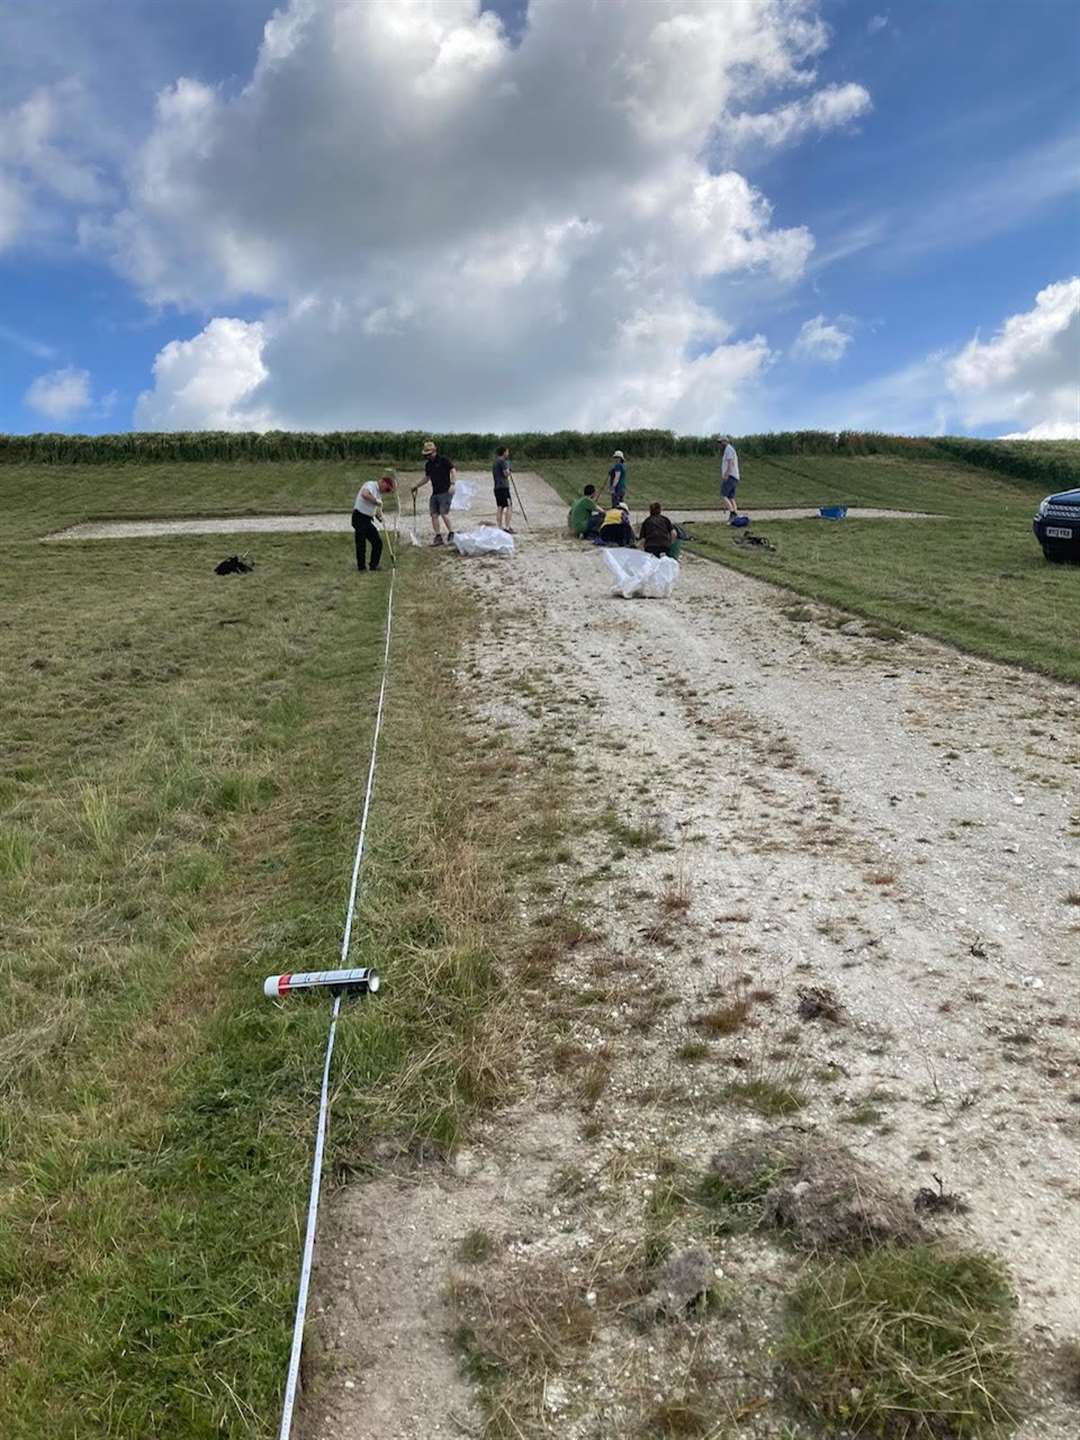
x=449, y=536
x=509, y=530
x=438, y=540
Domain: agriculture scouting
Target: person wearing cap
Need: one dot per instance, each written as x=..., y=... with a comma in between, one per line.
x=616, y=529
x=367, y=508
x=729, y=475
x=617, y=478
x=440, y=474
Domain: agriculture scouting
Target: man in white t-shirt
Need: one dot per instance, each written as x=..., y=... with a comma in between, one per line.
x=729, y=476
x=367, y=508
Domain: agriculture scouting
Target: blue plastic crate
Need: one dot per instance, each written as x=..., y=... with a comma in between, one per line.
x=832, y=512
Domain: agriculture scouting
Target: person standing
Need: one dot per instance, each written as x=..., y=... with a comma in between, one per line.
x=500, y=473
x=729, y=477
x=617, y=478
x=440, y=474
x=367, y=508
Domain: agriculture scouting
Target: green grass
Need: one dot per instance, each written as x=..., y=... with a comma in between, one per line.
x=37, y=499
x=980, y=584
x=904, y=1343
x=777, y=481
x=179, y=788
x=976, y=579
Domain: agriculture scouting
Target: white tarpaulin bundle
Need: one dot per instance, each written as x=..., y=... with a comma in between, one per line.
x=636, y=573
x=464, y=491
x=488, y=540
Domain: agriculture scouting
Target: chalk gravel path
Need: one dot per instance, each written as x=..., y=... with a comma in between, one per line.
x=898, y=822
x=550, y=512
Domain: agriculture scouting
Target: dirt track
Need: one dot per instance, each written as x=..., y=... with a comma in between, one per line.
x=895, y=821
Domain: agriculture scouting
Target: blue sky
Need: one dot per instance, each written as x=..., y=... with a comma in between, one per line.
x=582, y=218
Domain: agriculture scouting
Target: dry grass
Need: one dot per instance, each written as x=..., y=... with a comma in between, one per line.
x=514, y=1333
x=677, y=894
x=725, y=1019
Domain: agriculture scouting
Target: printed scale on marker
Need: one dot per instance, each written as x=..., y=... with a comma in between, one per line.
x=365, y=981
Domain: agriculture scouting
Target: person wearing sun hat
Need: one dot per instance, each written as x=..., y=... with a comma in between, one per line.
x=440, y=474
x=617, y=478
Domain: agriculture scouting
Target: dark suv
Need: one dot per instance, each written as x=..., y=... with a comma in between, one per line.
x=1057, y=527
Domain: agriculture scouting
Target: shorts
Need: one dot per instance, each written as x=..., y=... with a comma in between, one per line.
x=502, y=498
x=727, y=488
x=440, y=504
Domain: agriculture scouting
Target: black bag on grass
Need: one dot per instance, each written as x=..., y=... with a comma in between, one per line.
x=233, y=565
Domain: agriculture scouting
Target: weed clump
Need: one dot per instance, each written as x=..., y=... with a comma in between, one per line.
x=904, y=1342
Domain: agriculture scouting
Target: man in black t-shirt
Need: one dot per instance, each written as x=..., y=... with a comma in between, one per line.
x=500, y=473
x=440, y=474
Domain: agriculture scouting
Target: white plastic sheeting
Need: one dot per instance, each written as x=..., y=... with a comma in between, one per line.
x=464, y=494
x=488, y=540
x=635, y=573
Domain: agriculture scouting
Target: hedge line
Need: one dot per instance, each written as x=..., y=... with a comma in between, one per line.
x=1055, y=464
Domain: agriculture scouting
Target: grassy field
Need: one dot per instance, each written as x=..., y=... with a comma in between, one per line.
x=182, y=772
x=979, y=583
x=976, y=579
x=37, y=499
x=885, y=481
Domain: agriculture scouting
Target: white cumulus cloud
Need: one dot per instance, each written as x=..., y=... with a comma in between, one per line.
x=1028, y=374
x=447, y=229
x=827, y=109
x=60, y=394
x=821, y=339
x=206, y=382
x=46, y=163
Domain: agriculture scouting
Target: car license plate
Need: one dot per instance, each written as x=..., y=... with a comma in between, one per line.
x=1055, y=532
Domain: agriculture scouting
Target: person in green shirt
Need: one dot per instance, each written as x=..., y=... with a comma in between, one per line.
x=582, y=511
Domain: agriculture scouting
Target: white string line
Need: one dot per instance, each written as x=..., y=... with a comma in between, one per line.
x=320, y=1129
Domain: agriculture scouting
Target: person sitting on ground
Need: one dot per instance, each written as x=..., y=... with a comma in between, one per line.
x=616, y=528
x=440, y=474
x=585, y=514
x=658, y=535
x=367, y=508
x=500, y=473
x=617, y=478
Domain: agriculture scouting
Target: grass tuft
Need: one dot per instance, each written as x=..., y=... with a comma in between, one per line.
x=904, y=1343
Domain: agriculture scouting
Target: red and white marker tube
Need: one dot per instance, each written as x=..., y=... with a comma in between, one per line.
x=363, y=982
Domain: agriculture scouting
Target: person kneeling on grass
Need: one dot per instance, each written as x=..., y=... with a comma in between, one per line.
x=367, y=508
x=616, y=529
x=658, y=534
x=585, y=514
x=440, y=474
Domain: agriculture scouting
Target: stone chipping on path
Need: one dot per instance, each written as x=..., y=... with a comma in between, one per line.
x=893, y=825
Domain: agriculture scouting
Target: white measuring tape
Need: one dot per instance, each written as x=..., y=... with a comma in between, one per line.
x=337, y=981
